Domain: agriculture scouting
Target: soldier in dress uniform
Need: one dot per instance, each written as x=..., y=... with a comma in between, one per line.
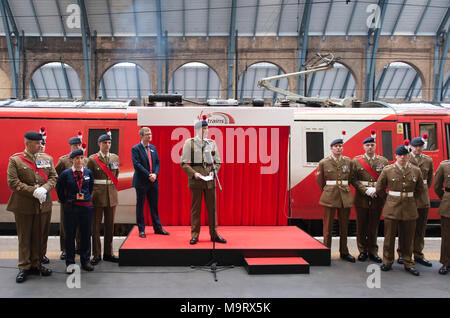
x=31, y=177
x=196, y=162
x=64, y=163
x=425, y=164
x=44, y=259
x=405, y=183
x=334, y=176
x=442, y=189
x=368, y=205
x=105, y=167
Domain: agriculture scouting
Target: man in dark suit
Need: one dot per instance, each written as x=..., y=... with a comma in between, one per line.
x=145, y=181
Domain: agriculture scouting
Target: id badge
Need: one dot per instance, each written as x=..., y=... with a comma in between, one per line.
x=80, y=196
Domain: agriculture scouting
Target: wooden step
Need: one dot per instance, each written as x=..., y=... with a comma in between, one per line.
x=276, y=265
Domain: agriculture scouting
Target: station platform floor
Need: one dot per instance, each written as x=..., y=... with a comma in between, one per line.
x=341, y=279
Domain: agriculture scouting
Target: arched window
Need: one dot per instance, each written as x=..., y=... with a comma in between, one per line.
x=248, y=82
x=337, y=82
x=55, y=80
x=125, y=80
x=195, y=80
x=398, y=80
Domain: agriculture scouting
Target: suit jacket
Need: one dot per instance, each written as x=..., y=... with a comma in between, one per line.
x=65, y=163
x=194, y=159
x=442, y=181
x=22, y=180
x=361, y=199
x=141, y=165
x=104, y=195
x=425, y=164
x=67, y=187
x=392, y=178
x=335, y=195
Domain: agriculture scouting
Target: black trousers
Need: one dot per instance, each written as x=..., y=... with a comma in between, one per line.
x=150, y=192
x=80, y=216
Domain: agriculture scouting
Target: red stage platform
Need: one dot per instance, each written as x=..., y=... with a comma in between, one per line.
x=242, y=241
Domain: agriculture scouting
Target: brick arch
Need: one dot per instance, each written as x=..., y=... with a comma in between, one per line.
x=352, y=72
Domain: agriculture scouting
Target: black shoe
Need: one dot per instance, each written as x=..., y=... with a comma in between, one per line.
x=22, y=276
x=41, y=271
x=443, y=270
x=400, y=260
x=162, y=232
x=95, y=260
x=87, y=267
x=362, y=257
x=385, y=267
x=413, y=271
x=63, y=256
x=111, y=258
x=45, y=260
x=375, y=258
x=423, y=261
x=193, y=241
x=142, y=234
x=348, y=258
x=218, y=239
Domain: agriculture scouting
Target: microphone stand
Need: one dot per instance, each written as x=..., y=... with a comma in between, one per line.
x=211, y=266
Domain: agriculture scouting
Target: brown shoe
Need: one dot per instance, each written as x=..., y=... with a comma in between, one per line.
x=87, y=267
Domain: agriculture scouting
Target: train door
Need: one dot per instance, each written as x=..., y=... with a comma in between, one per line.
x=386, y=139
x=436, y=137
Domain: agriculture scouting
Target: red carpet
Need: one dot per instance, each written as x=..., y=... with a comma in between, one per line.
x=242, y=241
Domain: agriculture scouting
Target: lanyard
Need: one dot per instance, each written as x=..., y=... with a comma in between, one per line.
x=79, y=182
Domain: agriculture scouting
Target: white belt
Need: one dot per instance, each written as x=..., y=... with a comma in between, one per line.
x=401, y=194
x=425, y=181
x=369, y=183
x=337, y=182
x=102, y=181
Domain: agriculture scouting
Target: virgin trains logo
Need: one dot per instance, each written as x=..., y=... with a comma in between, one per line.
x=217, y=118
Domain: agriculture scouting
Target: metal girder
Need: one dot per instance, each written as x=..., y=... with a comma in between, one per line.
x=138, y=84
x=43, y=81
x=254, y=83
x=56, y=82
x=345, y=86
x=231, y=49
x=302, y=46
x=400, y=84
x=160, y=44
x=183, y=18
x=373, y=38
x=277, y=84
x=208, y=19
x=421, y=18
x=127, y=82
x=380, y=81
x=34, y=93
x=394, y=28
x=321, y=83
x=419, y=91
x=115, y=81
x=351, y=19
x=327, y=19
x=442, y=42
x=265, y=75
x=280, y=18
x=255, y=24
x=196, y=83
x=111, y=27
x=87, y=52
x=445, y=88
x=102, y=85
x=241, y=97
x=411, y=89
x=13, y=46
x=135, y=18
x=166, y=64
x=208, y=77
x=390, y=82
x=61, y=20
x=334, y=82
x=66, y=81
x=311, y=84
x=36, y=19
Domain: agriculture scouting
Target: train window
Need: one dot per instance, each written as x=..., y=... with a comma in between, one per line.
x=314, y=146
x=93, y=137
x=406, y=131
x=431, y=130
x=386, y=139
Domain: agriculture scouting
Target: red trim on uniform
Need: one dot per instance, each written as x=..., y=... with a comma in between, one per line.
x=368, y=168
x=34, y=167
x=106, y=170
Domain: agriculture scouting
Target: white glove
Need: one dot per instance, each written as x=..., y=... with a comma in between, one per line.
x=40, y=194
x=371, y=192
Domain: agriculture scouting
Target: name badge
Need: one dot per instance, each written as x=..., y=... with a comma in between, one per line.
x=87, y=178
x=114, y=165
x=80, y=196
